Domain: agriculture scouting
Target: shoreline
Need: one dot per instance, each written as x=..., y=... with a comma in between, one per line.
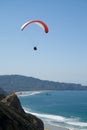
x=52, y=127
x=47, y=126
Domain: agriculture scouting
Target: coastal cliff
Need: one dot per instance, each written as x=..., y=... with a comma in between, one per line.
x=13, y=117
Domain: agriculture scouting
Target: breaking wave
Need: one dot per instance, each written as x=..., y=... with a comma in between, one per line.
x=71, y=123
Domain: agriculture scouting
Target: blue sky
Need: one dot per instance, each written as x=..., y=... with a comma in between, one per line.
x=61, y=54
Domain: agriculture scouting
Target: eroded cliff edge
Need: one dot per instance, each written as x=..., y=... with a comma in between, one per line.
x=13, y=117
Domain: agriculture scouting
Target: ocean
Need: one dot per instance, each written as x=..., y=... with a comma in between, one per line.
x=60, y=108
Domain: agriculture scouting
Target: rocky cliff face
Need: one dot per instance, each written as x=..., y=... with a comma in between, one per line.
x=2, y=94
x=13, y=117
x=13, y=102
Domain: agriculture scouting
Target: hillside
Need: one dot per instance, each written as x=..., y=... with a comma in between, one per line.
x=13, y=83
x=13, y=117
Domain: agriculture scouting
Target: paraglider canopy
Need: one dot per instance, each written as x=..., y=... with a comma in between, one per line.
x=40, y=23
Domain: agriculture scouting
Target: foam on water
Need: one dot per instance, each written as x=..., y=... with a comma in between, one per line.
x=28, y=93
x=72, y=123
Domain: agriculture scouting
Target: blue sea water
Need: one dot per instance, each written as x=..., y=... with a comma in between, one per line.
x=62, y=108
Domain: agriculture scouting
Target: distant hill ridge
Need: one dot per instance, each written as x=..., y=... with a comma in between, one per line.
x=14, y=83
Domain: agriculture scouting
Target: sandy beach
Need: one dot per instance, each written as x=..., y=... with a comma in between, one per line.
x=52, y=127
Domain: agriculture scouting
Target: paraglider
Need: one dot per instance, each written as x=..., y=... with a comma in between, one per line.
x=35, y=48
x=38, y=22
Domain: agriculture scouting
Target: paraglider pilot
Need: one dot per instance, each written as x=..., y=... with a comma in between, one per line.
x=35, y=48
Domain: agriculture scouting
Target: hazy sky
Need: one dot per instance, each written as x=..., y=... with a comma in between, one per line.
x=61, y=54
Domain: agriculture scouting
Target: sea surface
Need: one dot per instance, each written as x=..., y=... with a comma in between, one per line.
x=62, y=108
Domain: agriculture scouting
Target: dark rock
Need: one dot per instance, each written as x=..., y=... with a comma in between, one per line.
x=13, y=101
x=13, y=117
x=2, y=94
